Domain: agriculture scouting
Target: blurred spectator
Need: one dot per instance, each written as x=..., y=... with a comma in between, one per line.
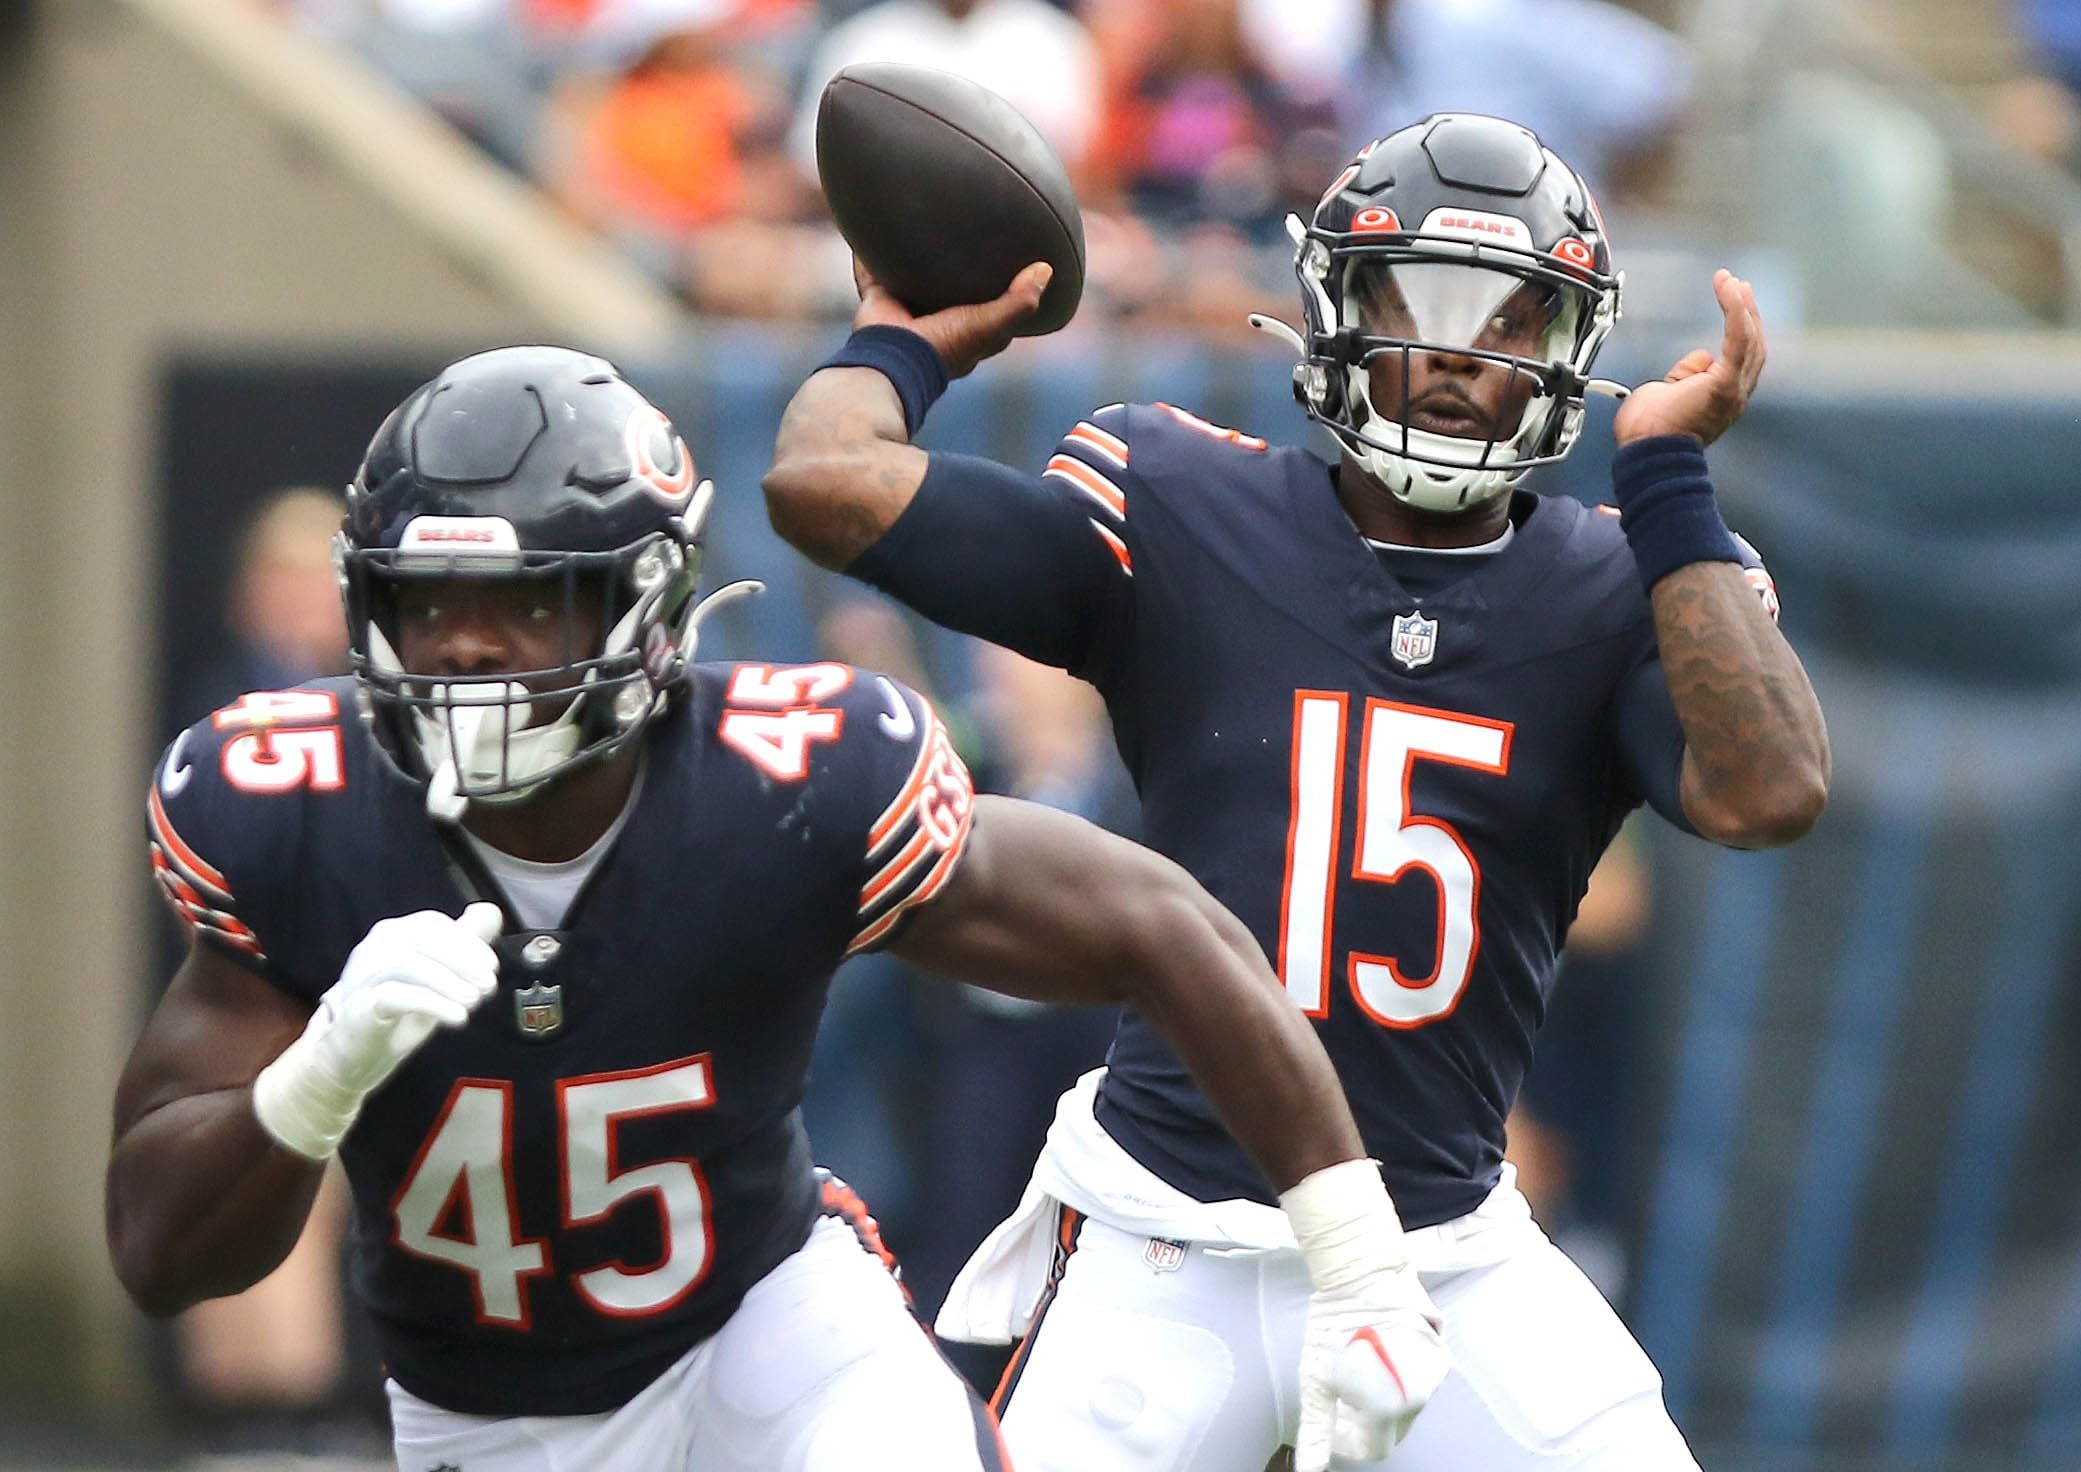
x=483, y=65
x=659, y=144
x=269, y=1367
x=676, y=148
x=1196, y=127
x=2053, y=30
x=1030, y=53
x=1601, y=85
x=2039, y=111
x=1572, y=1133
x=996, y=1065
x=283, y=612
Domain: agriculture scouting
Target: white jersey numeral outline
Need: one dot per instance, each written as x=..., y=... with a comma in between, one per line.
x=1392, y=840
x=464, y=1172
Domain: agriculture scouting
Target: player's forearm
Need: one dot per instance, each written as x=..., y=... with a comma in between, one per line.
x=1202, y=982
x=843, y=466
x=1756, y=760
x=200, y=1202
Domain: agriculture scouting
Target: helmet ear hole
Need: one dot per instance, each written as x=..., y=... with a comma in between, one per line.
x=1333, y=396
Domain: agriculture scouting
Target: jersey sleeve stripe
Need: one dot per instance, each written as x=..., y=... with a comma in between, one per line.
x=1117, y=547
x=192, y=910
x=866, y=938
x=943, y=870
x=928, y=837
x=935, y=880
x=189, y=862
x=1090, y=482
x=895, y=869
x=1101, y=442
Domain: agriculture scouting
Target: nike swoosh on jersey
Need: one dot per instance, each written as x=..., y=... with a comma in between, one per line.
x=897, y=721
x=177, y=771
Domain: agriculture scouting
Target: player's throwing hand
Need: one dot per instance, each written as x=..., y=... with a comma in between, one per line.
x=963, y=336
x=1373, y=1355
x=409, y=975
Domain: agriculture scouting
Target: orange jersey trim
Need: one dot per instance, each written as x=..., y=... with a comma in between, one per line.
x=1114, y=545
x=1105, y=443
x=197, y=867
x=1090, y=482
x=895, y=869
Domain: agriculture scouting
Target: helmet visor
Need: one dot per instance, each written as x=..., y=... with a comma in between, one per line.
x=1463, y=307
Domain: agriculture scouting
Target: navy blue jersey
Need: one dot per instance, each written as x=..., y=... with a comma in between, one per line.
x=555, y=1201
x=1402, y=797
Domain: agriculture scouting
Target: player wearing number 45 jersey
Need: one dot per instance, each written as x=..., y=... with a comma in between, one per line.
x=532, y=919
x=1390, y=711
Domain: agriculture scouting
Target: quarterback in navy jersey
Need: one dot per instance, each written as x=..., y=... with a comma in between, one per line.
x=1390, y=711
x=531, y=920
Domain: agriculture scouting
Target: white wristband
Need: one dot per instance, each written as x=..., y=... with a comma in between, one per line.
x=1345, y=1223
x=299, y=1104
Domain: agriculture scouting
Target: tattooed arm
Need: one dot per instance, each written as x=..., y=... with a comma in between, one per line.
x=843, y=465
x=1755, y=764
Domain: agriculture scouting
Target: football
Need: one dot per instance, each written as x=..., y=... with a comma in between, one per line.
x=945, y=191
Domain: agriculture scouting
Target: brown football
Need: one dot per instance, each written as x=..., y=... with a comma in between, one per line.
x=945, y=191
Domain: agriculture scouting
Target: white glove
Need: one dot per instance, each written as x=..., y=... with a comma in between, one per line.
x=1373, y=1355
x=408, y=976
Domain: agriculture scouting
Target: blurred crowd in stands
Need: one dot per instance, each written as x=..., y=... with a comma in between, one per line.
x=685, y=128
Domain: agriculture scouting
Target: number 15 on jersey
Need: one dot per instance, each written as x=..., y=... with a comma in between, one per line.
x=1391, y=841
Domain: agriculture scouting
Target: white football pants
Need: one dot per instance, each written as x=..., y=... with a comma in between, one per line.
x=823, y=1368
x=1149, y=1356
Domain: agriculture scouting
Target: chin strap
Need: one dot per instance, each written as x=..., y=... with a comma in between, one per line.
x=1285, y=332
x=728, y=593
x=468, y=708
x=691, y=522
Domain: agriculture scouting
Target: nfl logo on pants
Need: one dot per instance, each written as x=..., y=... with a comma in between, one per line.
x=1415, y=639
x=1164, y=1255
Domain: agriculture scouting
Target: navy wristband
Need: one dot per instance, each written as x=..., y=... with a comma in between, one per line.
x=911, y=364
x=1666, y=507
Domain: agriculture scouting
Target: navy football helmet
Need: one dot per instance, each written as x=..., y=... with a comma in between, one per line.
x=1459, y=235
x=535, y=463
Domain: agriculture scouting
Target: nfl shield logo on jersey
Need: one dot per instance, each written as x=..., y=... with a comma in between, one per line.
x=1164, y=1255
x=1416, y=639
x=539, y=1010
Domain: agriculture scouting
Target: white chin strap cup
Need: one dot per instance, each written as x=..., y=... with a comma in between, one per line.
x=470, y=707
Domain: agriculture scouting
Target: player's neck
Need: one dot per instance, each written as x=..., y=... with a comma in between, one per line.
x=565, y=818
x=1379, y=517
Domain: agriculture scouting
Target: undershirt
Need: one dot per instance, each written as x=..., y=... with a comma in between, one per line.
x=541, y=894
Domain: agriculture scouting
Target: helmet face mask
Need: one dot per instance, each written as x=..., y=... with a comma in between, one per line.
x=1451, y=360
x=1456, y=286
x=542, y=478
